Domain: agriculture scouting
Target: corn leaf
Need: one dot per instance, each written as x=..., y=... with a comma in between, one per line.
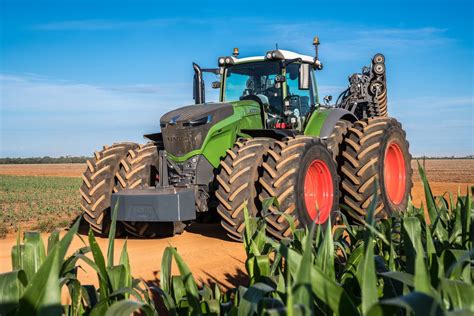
x=422, y=278
x=99, y=262
x=12, y=285
x=129, y=307
x=415, y=303
x=325, y=257
x=53, y=239
x=400, y=276
x=75, y=292
x=433, y=212
x=189, y=283
x=302, y=293
x=178, y=288
x=459, y=294
x=252, y=297
x=117, y=277
x=165, y=273
x=112, y=230
x=125, y=261
x=366, y=270
x=329, y=292
x=42, y=296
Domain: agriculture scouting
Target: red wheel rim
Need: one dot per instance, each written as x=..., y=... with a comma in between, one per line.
x=318, y=191
x=394, y=173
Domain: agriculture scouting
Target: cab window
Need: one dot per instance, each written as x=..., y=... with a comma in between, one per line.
x=257, y=79
x=300, y=99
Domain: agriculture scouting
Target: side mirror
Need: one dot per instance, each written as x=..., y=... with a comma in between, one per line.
x=198, y=85
x=216, y=85
x=327, y=99
x=303, y=80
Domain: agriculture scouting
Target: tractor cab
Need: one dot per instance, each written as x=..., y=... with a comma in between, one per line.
x=283, y=83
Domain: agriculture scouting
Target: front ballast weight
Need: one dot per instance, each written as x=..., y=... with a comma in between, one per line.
x=366, y=95
x=162, y=203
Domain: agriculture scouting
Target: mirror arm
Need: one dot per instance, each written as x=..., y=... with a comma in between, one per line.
x=211, y=70
x=290, y=61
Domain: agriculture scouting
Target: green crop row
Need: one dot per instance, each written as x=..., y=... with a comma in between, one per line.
x=39, y=203
x=403, y=265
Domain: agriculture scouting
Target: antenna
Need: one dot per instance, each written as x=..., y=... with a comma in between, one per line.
x=276, y=46
x=316, y=44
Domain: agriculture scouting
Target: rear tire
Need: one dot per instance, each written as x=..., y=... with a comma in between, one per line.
x=99, y=182
x=238, y=183
x=298, y=172
x=376, y=153
x=139, y=170
x=336, y=139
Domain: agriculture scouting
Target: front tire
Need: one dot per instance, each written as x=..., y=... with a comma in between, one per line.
x=238, y=183
x=99, y=182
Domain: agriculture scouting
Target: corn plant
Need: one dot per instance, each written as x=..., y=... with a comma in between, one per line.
x=34, y=286
x=400, y=265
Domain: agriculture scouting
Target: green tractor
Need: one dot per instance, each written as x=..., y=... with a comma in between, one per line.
x=269, y=136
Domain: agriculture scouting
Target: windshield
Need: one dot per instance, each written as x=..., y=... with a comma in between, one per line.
x=257, y=79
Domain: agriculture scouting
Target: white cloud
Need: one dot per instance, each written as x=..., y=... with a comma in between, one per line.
x=345, y=41
x=100, y=24
x=31, y=93
x=41, y=116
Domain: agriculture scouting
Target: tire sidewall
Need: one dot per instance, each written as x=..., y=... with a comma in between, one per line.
x=394, y=135
x=315, y=152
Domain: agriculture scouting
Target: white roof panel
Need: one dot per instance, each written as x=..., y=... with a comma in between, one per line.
x=286, y=53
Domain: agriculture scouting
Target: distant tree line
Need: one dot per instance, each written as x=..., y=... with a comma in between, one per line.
x=83, y=159
x=446, y=157
x=43, y=160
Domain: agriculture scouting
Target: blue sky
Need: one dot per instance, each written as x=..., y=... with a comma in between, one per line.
x=78, y=74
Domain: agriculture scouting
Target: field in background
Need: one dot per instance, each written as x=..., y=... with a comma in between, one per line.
x=45, y=196
x=57, y=169
x=37, y=203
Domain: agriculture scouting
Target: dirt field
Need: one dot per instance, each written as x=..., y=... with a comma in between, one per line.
x=443, y=174
x=211, y=257
x=54, y=170
x=209, y=254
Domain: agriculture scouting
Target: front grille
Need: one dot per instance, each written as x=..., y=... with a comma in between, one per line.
x=185, y=129
x=180, y=140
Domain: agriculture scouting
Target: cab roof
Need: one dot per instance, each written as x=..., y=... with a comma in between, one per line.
x=286, y=54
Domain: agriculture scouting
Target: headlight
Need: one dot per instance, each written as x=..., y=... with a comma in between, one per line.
x=223, y=61
x=274, y=54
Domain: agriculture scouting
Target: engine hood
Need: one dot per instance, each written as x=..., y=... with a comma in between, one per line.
x=185, y=129
x=192, y=113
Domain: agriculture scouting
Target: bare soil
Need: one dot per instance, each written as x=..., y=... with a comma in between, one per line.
x=53, y=170
x=210, y=255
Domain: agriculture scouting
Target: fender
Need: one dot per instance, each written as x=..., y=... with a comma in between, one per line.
x=322, y=121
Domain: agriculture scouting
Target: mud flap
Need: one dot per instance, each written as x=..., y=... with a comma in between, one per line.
x=160, y=204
